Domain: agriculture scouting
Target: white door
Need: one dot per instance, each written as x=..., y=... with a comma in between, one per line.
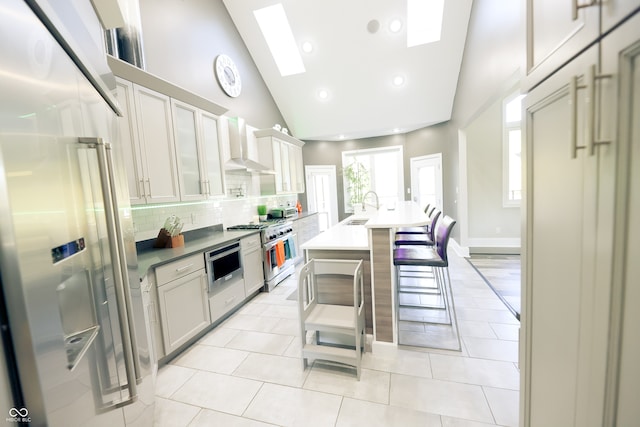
x=426, y=180
x=322, y=194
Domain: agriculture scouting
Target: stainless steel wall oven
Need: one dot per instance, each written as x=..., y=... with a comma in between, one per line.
x=224, y=267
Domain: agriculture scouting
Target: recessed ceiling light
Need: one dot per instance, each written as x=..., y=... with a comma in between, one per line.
x=323, y=94
x=395, y=25
x=276, y=30
x=307, y=47
x=396, y=130
x=340, y=136
x=398, y=80
x=373, y=26
x=424, y=21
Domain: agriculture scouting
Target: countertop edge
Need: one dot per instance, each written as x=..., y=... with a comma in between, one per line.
x=149, y=259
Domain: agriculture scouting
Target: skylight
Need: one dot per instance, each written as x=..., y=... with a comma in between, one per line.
x=424, y=21
x=276, y=30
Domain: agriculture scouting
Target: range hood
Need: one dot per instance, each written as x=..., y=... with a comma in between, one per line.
x=244, y=152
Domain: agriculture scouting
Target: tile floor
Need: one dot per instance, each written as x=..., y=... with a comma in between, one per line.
x=248, y=372
x=503, y=274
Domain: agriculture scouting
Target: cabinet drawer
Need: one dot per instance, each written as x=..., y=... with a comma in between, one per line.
x=223, y=302
x=180, y=268
x=250, y=243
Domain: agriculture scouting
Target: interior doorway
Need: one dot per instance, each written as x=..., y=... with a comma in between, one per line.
x=426, y=180
x=322, y=193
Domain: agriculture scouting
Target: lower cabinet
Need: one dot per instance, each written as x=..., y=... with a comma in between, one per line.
x=226, y=300
x=184, y=309
x=252, y=263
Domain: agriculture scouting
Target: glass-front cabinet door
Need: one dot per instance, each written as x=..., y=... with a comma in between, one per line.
x=211, y=158
x=191, y=180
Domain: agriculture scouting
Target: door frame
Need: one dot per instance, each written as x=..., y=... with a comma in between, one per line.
x=333, y=188
x=412, y=167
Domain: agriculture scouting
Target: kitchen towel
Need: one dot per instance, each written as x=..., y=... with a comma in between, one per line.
x=280, y=258
x=292, y=247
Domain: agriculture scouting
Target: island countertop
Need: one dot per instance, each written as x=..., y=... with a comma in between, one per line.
x=403, y=214
x=346, y=236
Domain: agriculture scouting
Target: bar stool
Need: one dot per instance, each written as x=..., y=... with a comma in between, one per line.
x=423, y=239
x=436, y=258
x=418, y=230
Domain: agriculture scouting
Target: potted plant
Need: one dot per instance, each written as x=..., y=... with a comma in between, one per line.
x=262, y=212
x=357, y=180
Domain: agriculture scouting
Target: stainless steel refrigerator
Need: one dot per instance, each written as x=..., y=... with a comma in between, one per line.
x=72, y=311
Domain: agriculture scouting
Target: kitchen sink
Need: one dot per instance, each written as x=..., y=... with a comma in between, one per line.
x=361, y=221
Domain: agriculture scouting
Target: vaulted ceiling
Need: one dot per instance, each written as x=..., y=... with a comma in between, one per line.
x=355, y=59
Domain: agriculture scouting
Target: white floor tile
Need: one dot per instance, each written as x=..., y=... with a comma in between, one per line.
x=504, y=405
x=218, y=392
x=471, y=328
x=440, y=397
x=457, y=422
x=357, y=413
x=288, y=406
x=506, y=332
x=287, y=327
x=209, y=418
x=212, y=359
x=373, y=385
x=475, y=371
x=169, y=413
x=492, y=349
x=404, y=362
x=274, y=369
x=170, y=378
x=251, y=323
x=260, y=342
x=219, y=337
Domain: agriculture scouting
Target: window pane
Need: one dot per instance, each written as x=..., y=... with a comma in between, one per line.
x=515, y=165
x=513, y=110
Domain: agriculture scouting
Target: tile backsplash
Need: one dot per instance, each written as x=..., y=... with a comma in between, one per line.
x=238, y=207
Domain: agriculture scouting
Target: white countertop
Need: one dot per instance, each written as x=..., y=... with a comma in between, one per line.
x=356, y=237
x=404, y=214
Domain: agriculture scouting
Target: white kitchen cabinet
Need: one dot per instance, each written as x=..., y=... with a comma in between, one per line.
x=569, y=296
x=251, y=249
x=198, y=151
x=558, y=30
x=183, y=302
x=146, y=132
x=283, y=154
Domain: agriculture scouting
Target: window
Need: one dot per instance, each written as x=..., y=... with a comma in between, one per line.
x=512, y=149
x=376, y=169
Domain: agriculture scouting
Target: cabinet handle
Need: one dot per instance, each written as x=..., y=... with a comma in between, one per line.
x=592, y=137
x=573, y=116
x=143, y=192
x=208, y=187
x=576, y=7
x=203, y=187
x=184, y=268
x=149, y=185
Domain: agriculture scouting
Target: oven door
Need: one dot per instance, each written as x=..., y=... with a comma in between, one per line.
x=224, y=267
x=279, y=255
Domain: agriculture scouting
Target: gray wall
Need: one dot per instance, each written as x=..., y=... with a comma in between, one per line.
x=181, y=41
x=484, y=179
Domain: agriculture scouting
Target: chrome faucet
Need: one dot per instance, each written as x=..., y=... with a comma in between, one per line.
x=377, y=205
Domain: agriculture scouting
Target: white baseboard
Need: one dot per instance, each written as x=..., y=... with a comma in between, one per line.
x=490, y=242
x=462, y=251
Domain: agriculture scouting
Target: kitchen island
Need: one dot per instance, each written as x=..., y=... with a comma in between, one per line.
x=369, y=236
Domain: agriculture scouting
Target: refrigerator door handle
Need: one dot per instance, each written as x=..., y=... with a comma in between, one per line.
x=121, y=281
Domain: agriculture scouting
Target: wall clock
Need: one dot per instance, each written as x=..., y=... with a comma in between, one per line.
x=228, y=75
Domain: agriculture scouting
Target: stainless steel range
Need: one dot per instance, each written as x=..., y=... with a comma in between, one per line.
x=278, y=250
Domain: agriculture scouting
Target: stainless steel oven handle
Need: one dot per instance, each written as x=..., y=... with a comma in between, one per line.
x=272, y=243
x=222, y=254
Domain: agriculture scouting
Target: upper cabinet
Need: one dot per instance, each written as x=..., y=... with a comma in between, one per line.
x=283, y=154
x=198, y=152
x=170, y=137
x=558, y=30
x=146, y=132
